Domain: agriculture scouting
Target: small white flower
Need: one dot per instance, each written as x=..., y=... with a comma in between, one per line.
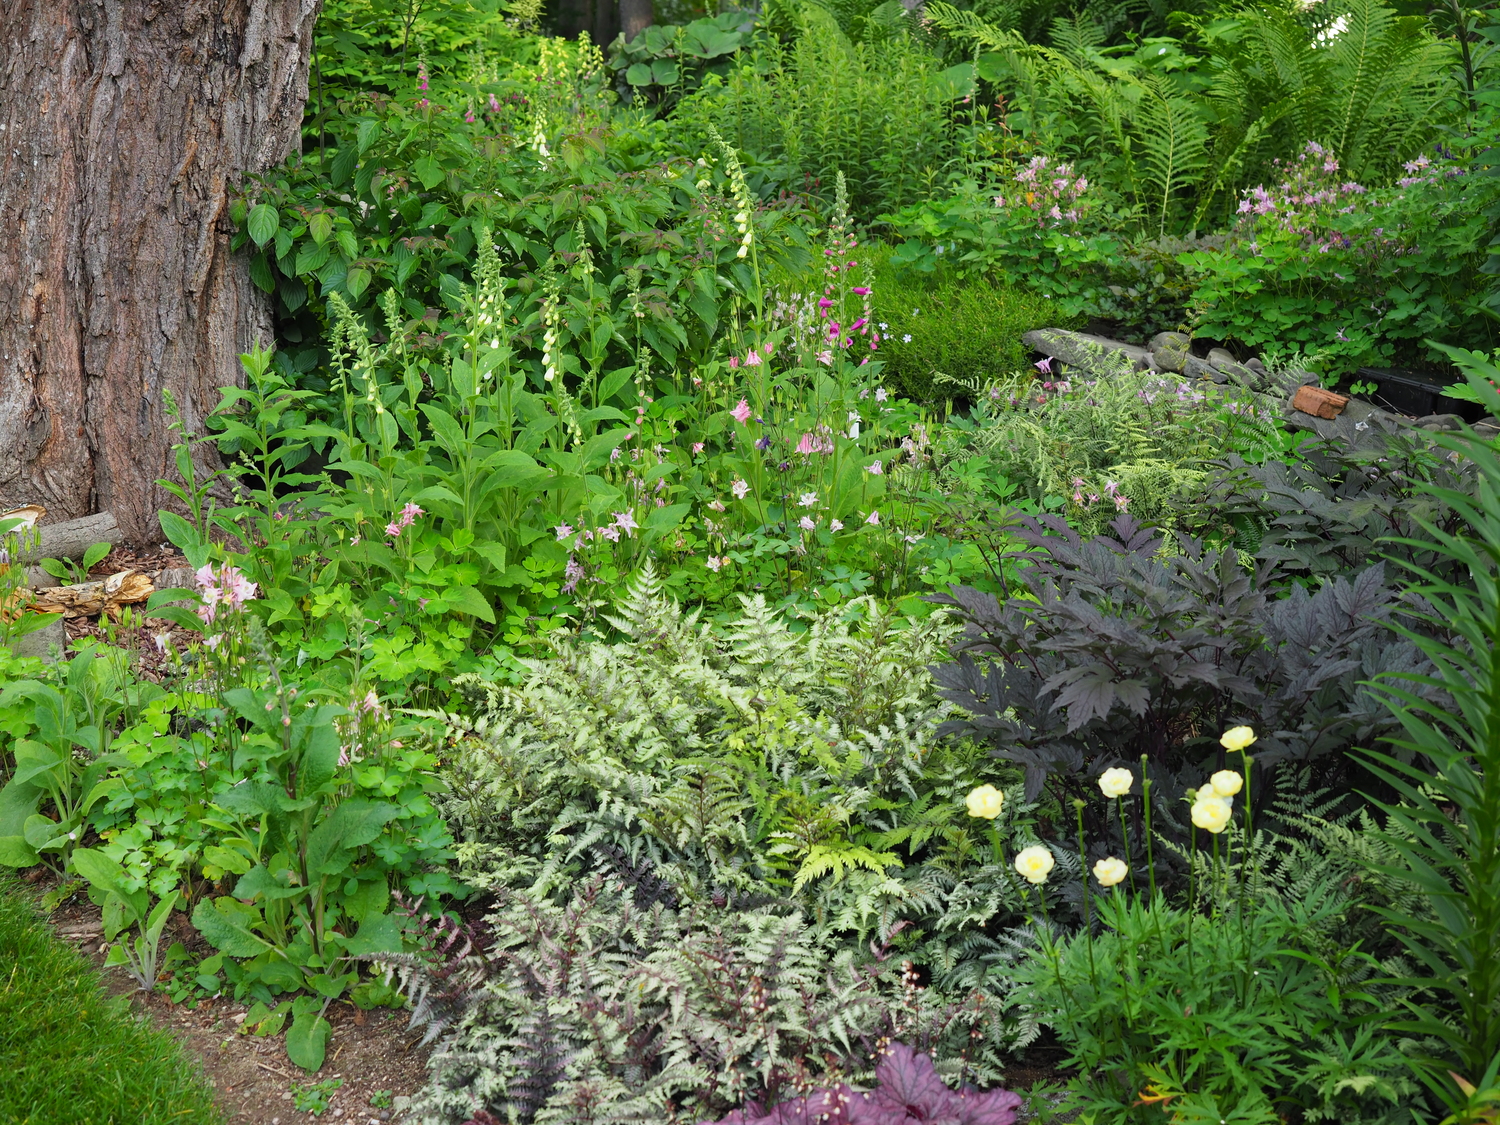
x=1110, y=871
x=1211, y=813
x=1034, y=864
x=1226, y=783
x=1116, y=782
x=985, y=802
x=906, y=339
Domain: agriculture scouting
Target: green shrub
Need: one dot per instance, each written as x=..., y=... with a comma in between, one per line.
x=969, y=331
x=71, y=1052
x=880, y=113
x=1242, y=1016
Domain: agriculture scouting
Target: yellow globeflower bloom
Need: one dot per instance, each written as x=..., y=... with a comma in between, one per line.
x=1116, y=782
x=986, y=802
x=1110, y=871
x=1237, y=738
x=1211, y=813
x=1035, y=864
x=1226, y=783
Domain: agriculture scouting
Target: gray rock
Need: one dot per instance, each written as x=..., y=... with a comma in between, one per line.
x=1171, y=350
x=1439, y=423
x=1254, y=364
x=1359, y=424
x=1220, y=356
x=1195, y=368
x=1095, y=355
x=42, y=643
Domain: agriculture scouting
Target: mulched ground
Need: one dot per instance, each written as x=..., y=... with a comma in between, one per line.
x=368, y=1051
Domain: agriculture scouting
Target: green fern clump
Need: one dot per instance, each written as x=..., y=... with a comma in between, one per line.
x=606, y=1006
x=749, y=756
x=1124, y=441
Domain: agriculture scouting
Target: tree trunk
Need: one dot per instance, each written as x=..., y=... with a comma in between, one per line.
x=125, y=126
x=635, y=17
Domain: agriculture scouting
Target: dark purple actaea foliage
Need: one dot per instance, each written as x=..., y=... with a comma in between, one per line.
x=908, y=1090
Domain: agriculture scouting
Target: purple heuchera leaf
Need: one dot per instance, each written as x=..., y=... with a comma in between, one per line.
x=908, y=1092
x=909, y=1082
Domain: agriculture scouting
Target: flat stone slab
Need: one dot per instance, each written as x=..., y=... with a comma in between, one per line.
x=1081, y=350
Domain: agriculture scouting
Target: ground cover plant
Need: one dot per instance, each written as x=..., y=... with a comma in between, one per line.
x=73, y=1051
x=652, y=616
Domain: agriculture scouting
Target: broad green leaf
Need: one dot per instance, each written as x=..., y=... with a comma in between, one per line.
x=379, y=933
x=429, y=171
x=225, y=924
x=352, y=825
x=320, y=226
x=470, y=600
x=262, y=223
x=307, y=1041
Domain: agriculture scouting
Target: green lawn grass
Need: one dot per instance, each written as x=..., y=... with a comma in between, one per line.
x=72, y=1053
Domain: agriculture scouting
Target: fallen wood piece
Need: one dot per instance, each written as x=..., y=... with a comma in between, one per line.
x=66, y=540
x=70, y=539
x=128, y=587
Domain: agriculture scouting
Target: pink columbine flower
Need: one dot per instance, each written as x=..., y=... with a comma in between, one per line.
x=1044, y=365
x=835, y=525
x=563, y=531
x=611, y=533
x=393, y=529
x=713, y=562
x=740, y=489
x=697, y=448
x=625, y=521
x=741, y=412
x=873, y=518
x=734, y=361
x=410, y=513
x=807, y=499
x=807, y=523
x=354, y=541
x=716, y=505
x=753, y=359
x=875, y=469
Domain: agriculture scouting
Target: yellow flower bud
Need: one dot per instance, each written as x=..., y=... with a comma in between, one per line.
x=1034, y=864
x=1116, y=782
x=1211, y=813
x=1237, y=739
x=1110, y=871
x=985, y=801
x=1226, y=783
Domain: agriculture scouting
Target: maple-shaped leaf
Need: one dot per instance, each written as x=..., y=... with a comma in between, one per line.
x=910, y=1082
x=993, y=1107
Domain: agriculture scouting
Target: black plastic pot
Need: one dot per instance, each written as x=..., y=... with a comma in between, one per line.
x=1409, y=392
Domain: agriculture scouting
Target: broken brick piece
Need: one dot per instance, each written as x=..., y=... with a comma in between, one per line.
x=1318, y=402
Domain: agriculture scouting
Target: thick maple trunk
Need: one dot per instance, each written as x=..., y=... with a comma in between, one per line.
x=125, y=128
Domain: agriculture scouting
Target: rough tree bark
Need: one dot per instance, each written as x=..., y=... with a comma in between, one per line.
x=125, y=126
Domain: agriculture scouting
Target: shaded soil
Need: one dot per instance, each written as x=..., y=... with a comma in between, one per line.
x=254, y=1081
